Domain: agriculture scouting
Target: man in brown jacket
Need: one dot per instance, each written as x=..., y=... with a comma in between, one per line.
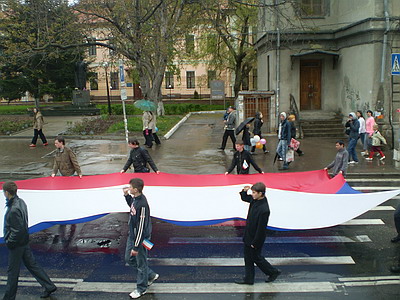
x=65, y=160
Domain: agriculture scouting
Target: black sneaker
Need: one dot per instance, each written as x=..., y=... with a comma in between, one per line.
x=46, y=294
x=273, y=276
x=395, y=239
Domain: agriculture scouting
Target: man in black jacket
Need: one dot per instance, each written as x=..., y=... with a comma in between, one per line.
x=139, y=230
x=16, y=236
x=139, y=158
x=255, y=234
x=230, y=124
x=242, y=159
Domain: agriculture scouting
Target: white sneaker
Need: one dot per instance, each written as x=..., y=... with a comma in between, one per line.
x=352, y=162
x=383, y=157
x=151, y=281
x=136, y=294
x=369, y=159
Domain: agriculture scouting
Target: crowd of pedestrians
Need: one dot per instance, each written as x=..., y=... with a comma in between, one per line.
x=16, y=234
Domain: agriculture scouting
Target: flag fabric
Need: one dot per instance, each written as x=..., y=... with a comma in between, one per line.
x=147, y=244
x=298, y=200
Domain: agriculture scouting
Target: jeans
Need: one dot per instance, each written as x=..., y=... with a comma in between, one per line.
x=363, y=136
x=24, y=254
x=139, y=262
x=253, y=256
x=282, y=149
x=351, y=148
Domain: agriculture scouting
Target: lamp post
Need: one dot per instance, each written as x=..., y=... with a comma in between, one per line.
x=107, y=88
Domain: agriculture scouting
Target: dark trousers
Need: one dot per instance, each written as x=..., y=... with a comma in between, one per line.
x=231, y=134
x=24, y=254
x=253, y=256
x=36, y=133
x=397, y=219
x=148, y=136
x=156, y=139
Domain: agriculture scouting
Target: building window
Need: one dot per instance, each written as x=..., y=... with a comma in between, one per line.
x=189, y=43
x=190, y=80
x=114, y=76
x=211, y=75
x=94, y=82
x=92, y=48
x=312, y=8
x=169, y=80
x=254, y=79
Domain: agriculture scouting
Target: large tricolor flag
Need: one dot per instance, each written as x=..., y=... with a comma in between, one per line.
x=302, y=200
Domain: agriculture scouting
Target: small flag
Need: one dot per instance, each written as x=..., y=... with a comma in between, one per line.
x=147, y=244
x=245, y=165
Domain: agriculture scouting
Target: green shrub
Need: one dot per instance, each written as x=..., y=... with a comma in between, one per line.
x=11, y=124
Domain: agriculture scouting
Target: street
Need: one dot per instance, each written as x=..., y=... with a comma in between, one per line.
x=86, y=260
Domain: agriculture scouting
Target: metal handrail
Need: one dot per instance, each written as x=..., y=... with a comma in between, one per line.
x=295, y=111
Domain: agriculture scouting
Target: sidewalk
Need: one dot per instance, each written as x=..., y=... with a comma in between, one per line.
x=53, y=126
x=192, y=149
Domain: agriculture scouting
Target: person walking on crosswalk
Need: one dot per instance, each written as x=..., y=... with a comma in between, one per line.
x=139, y=233
x=255, y=234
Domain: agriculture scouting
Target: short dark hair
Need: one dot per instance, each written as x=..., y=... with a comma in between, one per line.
x=340, y=142
x=239, y=142
x=137, y=183
x=259, y=187
x=60, y=139
x=370, y=111
x=133, y=142
x=11, y=187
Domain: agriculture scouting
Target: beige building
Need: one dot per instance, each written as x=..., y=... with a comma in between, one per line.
x=332, y=56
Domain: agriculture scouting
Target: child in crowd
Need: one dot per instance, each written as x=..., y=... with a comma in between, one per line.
x=377, y=141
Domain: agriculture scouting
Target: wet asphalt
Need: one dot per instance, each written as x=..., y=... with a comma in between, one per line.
x=93, y=252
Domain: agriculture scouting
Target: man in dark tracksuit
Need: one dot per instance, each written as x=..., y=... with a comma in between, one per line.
x=139, y=158
x=255, y=234
x=242, y=159
x=139, y=230
x=230, y=124
x=16, y=236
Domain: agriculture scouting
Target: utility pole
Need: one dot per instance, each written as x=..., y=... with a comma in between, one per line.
x=277, y=63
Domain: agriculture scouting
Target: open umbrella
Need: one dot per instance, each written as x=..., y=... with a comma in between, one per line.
x=145, y=105
x=244, y=123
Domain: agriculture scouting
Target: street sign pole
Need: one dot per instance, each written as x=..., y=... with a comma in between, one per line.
x=123, y=97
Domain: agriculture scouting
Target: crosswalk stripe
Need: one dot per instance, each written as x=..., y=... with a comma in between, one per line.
x=370, y=278
x=363, y=222
x=21, y=278
x=370, y=283
x=376, y=188
x=208, y=288
x=383, y=207
x=272, y=240
x=238, y=262
x=35, y=283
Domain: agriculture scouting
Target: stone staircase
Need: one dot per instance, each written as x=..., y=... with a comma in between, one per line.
x=322, y=124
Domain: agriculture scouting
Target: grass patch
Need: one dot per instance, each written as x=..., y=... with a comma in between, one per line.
x=114, y=124
x=11, y=124
x=170, y=109
x=16, y=109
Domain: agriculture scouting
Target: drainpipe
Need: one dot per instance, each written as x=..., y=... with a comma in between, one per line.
x=278, y=60
x=383, y=65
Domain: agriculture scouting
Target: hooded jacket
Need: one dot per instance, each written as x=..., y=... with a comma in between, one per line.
x=258, y=123
x=231, y=121
x=139, y=222
x=284, y=129
x=16, y=232
x=354, y=126
x=257, y=221
x=378, y=139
